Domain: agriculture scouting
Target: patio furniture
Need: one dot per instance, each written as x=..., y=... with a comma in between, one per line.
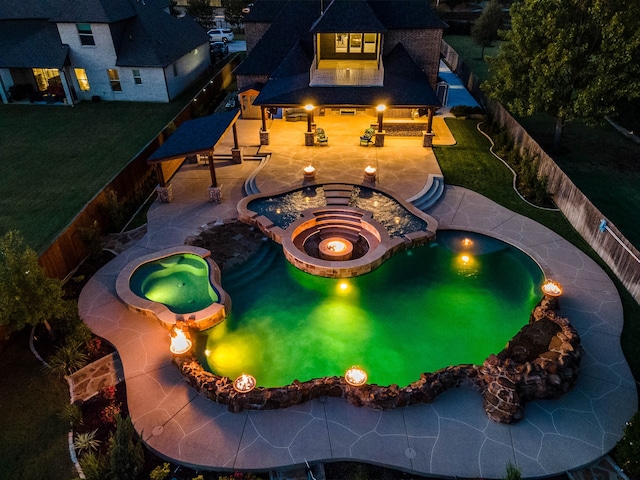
x=321, y=137
x=367, y=138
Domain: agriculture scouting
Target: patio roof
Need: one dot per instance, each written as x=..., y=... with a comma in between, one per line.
x=195, y=136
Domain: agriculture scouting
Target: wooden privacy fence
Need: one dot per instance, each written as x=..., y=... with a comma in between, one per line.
x=69, y=249
x=607, y=241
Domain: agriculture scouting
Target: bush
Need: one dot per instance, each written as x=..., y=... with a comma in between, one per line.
x=86, y=442
x=126, y=457
x=67, y=359
x=161, y=472
x=94, y=466
x=627, y=452
x=465, y=111
x=72, y=414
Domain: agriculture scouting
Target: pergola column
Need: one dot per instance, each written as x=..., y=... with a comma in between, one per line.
x=264, y=133
x=215, y=190
x=236, y=151
x=427, y=136
x=164, y=190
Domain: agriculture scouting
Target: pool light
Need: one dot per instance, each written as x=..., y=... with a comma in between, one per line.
x=552, y=288
x=244, y=383
x=180, y=344
x=355, y=376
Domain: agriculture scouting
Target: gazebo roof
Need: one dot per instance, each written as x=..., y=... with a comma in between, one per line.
x=195, y=136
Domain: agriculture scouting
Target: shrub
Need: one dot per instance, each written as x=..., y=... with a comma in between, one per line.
x=627, y=452
x=465, y=111
x=94, y=466
x=126, y=456
x=67, y=359
x=86, y=442
x=161, y=472
x=72, y=414
x=109, y=414
x=513, y=472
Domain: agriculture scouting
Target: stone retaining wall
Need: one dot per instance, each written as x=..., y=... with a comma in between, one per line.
x=540, y=362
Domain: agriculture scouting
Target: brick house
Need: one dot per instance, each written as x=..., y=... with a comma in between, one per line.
x=341, y=55
x=68, y=51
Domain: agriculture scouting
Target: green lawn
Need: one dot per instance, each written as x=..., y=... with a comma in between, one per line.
x=55, y=159
x=470, y=51
x=470, y=164
x=33, y=439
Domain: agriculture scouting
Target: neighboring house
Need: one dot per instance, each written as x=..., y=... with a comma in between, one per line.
x=72, y=50
x=341, y=54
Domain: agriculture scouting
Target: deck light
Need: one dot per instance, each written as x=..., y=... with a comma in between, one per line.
x=355, y=377
x=180, y=344
x=309, y=108
x=380, y=108
x=551, y=288
x=244, y=383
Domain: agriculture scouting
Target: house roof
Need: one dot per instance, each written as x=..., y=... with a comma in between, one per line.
x=406, y=14
x=348, y=16
x=194, y=136
x=264, y=11
x=153, y=38
x=289, y=27
x=405, y=85
x=28, y=9
x=93, y=11
x=22, y=41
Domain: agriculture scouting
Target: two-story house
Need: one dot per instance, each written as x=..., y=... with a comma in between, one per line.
x=69, y=51
x=343, y=55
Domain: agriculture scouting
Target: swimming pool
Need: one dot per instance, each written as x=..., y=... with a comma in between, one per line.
x=455, y=301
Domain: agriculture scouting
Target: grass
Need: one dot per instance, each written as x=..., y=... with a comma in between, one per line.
x=62, y=157
x=470, y=51
x=33, y=439
x=470, y=164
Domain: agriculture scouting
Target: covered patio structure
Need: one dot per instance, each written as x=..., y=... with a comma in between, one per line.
x=196, y=137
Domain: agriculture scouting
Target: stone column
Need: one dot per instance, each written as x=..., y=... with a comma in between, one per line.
x=236, y=155
x=309, y=139
x=264, y=137
x=427, y=139
x=380, y=138
x=215, y=194
x=165, y=194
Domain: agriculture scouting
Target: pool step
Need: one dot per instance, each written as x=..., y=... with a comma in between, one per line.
x=429, y=194
x=250, y=185
x=338, y=194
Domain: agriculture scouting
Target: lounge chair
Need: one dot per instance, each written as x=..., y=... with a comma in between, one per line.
x=321, y=137
x=367, y=138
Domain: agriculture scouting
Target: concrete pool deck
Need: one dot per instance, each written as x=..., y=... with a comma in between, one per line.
x=451, y=437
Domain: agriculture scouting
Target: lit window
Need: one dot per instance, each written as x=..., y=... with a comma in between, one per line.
x=114, y=79
x=85, y=34
x=137, y=78
x=83, y=81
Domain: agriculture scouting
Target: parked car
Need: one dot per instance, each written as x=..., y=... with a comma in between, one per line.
x=220, y=35
x=218, y=50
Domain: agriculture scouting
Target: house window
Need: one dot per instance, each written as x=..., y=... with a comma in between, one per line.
x=370, y=42
x=45, y=77
x=342, y=42
x=114, y=79
x=356, y=42
x=137, y=78
x=85, y=34
x=83, y=81
x=175, y=70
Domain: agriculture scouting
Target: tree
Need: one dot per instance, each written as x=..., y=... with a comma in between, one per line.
x=126, y=457
x=202, y=12
x=568, y=58
x=233, y=10
x=485, y=29
x=27, y=295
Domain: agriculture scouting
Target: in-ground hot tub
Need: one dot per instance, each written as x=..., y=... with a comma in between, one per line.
x=181, y=284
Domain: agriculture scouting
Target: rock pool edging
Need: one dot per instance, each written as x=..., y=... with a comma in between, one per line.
x=541, y=362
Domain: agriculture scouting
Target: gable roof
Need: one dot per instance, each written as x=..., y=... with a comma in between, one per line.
x=93, y=11
x=405, y=85
x=153, y=38
x=406, y=14
x=28, y=9
x=21, y=45
x=289, y=27
x=348, y=16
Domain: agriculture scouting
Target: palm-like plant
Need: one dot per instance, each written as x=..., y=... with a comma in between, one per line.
x=67, y=359
x=86, y=442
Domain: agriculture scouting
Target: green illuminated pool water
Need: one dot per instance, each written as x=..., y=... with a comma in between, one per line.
x=181, y=282
x=422, y=310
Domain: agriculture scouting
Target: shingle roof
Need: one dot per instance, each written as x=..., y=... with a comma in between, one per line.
x=153, y=38
x=406, y=14
x=264, y=11
x=290, y=26
x=28, y=9
x=193, y=136
x=348, y=16
x=94, y=11
x=405, y=84
x=31, y=44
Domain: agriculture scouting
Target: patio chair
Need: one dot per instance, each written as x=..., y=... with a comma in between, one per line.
x=321, y=137
x=367, y=138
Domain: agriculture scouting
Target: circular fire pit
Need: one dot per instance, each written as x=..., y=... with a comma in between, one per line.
x=335, y=248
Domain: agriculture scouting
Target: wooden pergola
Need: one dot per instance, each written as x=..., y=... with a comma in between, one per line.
x=196, y=137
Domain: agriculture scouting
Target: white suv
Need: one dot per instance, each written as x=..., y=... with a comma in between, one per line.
x=220, y=35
